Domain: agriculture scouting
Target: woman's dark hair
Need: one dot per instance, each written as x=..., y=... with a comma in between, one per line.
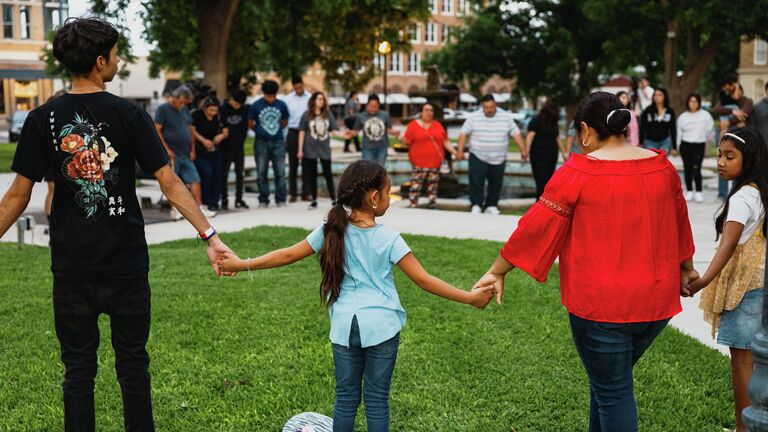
x=356, y=180
x=663, y=91
x=629, y=104
x=269, y=87
x=313, y=101
x=80, y=41
x=754, y=157
x=693, y=95
x=209, y=102
x=595, y=111
x=351, y=94
x=549, y=115
x=239, y=96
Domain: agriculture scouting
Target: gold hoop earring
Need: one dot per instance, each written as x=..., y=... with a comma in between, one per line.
x=374, y=206
x=584, y=143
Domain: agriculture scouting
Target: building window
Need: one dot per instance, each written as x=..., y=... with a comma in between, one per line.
x=414, y=30
x=396, y=62
x=24, y=22
x=431, y=34
x=8, y=21
x=447, y=7
x=761, y=51
x=414, y=63
x=52, y=18
x=433, y=6
x=462, y=7
x=378, y=62
x=446, y=33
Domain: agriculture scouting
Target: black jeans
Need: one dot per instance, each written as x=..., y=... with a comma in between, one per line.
x=479, y=172
x=543, y=164
x=693, y=156
x=292, y=148
x=76, y=309
x=232, y=155
x=609, y=352
x=309, y=173
x=349, y=122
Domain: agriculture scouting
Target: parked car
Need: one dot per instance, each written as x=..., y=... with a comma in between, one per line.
x=16, y=123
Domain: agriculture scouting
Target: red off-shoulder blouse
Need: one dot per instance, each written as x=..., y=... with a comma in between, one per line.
x=621, y=231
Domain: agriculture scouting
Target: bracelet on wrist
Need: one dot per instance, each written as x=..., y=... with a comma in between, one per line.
x=208, y=234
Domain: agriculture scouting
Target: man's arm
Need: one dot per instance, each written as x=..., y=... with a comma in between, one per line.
x=178, y=194
x=460, y=151
x=168, y=150
x=522, y=145
x=14, y=202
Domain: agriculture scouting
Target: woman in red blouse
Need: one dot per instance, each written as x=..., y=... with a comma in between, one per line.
x=427, y=142
x=616, y=217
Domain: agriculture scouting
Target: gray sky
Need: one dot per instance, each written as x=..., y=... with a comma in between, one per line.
x=140, y=47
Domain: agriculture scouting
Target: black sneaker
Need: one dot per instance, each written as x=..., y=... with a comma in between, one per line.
x=313, y=206
x=241, y=204
x=213, y=208
x=224, y=205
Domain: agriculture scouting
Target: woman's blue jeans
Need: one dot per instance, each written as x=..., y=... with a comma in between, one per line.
x=609, y=351
x=665, y=144
x=370, y=368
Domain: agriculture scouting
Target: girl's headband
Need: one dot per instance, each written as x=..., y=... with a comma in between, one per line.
x=736, y=137
x=608, y=119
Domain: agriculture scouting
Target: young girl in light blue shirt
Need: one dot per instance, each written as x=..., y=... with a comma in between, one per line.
x=356, y=257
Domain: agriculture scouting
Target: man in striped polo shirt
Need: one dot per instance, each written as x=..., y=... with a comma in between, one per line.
x=488, y=130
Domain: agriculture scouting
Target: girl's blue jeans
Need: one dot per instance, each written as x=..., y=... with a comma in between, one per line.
x=369, y=369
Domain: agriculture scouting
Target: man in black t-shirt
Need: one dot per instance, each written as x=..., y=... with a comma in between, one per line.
x=234, y=115
x=92, y=140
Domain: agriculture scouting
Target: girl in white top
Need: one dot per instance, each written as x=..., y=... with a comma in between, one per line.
x=735, y=280
x=694, y=128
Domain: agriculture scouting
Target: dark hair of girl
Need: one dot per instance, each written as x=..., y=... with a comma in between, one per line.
x=666, y=97
x=594, y=110
x=358, y=179
x=629, y=104
x=549, y=116
x=313, y=101
x=693, y=95
x=754, y=159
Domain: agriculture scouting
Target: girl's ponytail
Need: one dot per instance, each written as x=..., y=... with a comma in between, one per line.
x=359, y=178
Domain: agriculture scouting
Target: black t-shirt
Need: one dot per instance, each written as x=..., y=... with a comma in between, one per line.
x=237, y=122
x=92, y=142
x=207, y=128
x=545, y=135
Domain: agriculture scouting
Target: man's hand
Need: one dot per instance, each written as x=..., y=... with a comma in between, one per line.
x=459, y=155
x=496, y=282
x=192, y=156
x=696, y=285
x=481, y=297
x=216, y=249
x=686, y=277
x=739, y=114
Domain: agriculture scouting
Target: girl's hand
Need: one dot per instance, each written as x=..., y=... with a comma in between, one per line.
x=300, y=154
x=480, y=297
x=696, y=286
x=229, y=262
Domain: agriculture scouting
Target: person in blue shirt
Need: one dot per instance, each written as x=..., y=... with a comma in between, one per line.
x=356, y=257
x=268, y=117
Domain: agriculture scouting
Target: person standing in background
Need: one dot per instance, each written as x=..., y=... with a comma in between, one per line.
x=268, y=117
x=297, y=102
x=351, y=108
x=634, y=127
x=644, y=93
x=234, y=114
x=694, y=128
x=376, y=127
x=657, y=124
x=760, y=116
x=209, y=134
x=544, y=142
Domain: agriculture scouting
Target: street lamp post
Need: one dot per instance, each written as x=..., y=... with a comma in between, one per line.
x=756, y=416
x=384, y=49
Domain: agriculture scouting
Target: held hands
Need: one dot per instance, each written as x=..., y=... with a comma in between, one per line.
x=480, y=297
x=493, y=281
x=217, y=248
x=689, y=282
x=230, y=262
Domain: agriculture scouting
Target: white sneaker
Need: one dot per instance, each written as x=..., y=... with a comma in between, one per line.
x=207, y=213
x=175, y=215
x=689, y=196
x=699, y=197
x=493, y=210
x=476, y=209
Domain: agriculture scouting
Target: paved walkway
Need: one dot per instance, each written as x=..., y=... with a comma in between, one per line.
x=452, y=224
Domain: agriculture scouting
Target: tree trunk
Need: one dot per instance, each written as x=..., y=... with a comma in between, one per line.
x=214, y=22
x=680, y=87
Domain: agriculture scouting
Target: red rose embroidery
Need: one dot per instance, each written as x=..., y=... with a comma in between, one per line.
x=85, y=165
x=71, y=143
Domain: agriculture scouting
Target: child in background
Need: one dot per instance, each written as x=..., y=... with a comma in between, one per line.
x=356, y=258
x=733, y=298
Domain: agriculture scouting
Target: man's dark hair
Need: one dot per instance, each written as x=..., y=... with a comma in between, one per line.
x=373, y=97
x=80, y=41
x=297, y=80
x=487, y=98
x=239, y=96
x=269, y=87
x=731, y=78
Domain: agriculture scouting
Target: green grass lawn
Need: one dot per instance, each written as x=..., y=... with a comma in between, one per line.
x=6, y=156
x=241, y=355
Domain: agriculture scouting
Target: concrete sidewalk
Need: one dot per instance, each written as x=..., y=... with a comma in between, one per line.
x=451, y=224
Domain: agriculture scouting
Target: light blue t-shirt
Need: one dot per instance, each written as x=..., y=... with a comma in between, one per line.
x=368, y=288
